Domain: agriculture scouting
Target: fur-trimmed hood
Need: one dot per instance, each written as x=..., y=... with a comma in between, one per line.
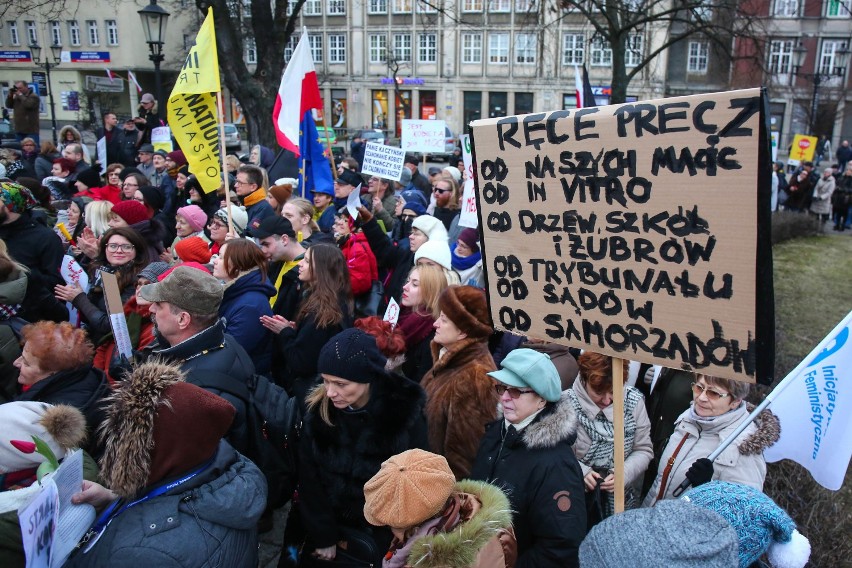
x=552, y=426
x=768, y=432
x=460, y=546
x=128, y=430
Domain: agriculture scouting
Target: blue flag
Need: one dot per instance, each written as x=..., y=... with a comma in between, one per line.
x=314, y=167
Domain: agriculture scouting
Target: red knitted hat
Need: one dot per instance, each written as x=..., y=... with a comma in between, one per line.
x=193, y=249
x=131, y=211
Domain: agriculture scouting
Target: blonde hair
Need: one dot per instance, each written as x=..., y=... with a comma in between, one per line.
x=97, y=217
x=317, y=401
x=305, y=207
x=432, y=284
x=232, y=162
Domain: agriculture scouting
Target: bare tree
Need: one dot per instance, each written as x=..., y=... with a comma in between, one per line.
x=618, y=22
x=269, y=26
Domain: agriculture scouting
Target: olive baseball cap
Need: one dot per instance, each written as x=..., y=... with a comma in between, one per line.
x=187, y=288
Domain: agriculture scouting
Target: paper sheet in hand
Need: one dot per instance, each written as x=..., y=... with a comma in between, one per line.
x=117, y=321
x=102, y=154
x=353, y=202
x=74, y=520
x=73, y=273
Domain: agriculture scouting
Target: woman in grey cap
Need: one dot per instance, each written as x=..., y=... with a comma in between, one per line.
x=528, y=452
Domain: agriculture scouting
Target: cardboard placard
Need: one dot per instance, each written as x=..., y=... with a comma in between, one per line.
x=467, y=216
x=638, y=230
x=427, y=136
x=117, y=321
x=383, y=161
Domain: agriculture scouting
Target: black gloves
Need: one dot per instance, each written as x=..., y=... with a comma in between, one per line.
x=701, y=472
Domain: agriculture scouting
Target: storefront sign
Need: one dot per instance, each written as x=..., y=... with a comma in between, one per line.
x=403, y=81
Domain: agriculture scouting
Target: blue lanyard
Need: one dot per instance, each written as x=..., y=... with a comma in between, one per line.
x=107, y=516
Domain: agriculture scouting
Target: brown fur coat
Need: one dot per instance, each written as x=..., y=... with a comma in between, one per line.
x=460, y=401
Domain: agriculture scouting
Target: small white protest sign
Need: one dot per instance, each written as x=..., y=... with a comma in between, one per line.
x=383, y=161
x=392, y=312
x=428, y=136
x=468, y=217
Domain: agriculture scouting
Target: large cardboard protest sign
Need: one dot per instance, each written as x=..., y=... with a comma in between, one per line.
x=638, y=230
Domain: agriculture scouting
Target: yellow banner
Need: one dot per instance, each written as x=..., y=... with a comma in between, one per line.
x=192, y=108
x=200, y=72
x=803, y=148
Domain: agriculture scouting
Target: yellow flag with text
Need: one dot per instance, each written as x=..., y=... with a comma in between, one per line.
x=192, y=108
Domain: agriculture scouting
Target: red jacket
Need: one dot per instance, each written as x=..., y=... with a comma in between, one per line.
x=361, y=262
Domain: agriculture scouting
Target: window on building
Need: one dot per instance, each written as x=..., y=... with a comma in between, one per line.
x=336, y=7
x=828, y=55
x=402, y=47
x=573, y=49
x=251, y=51
x=92, y=32
x=786, y=8
x=526, y=46
x=600, y=53
x=499, y=5
x=839, y=9
x=426, y=6
x=55, y=33
x=498, y=48
x=378, y=7
x=525, y=6
x=337, y=48
x=472, y=109
x=32, y=32
x=471, y=48
x=14, y=37
x=74, y=32
x=498, y=104
x=401, y=6
x=523, y=103
x=290, y=48
x=312, y=8
x=634, y=50
x=427, y=48
x=315, y=41
x=697, y=57
x=472, y=6
x=378, y=48
x=569, y=100
x=112, y=32
x=781, y=55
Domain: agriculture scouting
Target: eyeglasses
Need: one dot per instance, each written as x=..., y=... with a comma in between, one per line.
x=441, y=191
x=711, y=393
x=134, y=184
x=216, y=225
x=114, y=247
x=238, y=182
x=513, y=392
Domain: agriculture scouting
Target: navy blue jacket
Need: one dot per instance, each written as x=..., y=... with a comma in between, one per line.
x=245, y=300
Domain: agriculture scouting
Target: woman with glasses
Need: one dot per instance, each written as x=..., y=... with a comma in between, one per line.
x=718, y=408
x=122, y=253
x=460, y=399
x=131, y=182
x=528, y=451
x=591, y=397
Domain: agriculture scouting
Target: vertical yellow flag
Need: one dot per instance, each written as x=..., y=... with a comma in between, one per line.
x=192, y=108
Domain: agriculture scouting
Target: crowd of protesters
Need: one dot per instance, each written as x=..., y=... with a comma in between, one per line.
x=428, y=441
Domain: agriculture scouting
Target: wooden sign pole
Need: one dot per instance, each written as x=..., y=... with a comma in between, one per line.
x=618, y=428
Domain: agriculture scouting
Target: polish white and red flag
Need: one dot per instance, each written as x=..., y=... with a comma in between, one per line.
x=110, y=75
x=133, y=80
x=298, y=94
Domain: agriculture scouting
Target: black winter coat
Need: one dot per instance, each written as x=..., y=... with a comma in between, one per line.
x=39, y=249
x=84, y=388
x=336, y=461
x=391, y=256
x=213, y=351
x=538, y=472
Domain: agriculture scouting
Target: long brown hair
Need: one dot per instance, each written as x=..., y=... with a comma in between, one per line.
x=126, y=274
x=329, y=286
x=242, y=255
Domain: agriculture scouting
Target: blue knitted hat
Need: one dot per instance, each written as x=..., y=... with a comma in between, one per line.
x=761, y=525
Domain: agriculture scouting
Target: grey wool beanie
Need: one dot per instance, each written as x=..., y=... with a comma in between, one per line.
x=673, y=534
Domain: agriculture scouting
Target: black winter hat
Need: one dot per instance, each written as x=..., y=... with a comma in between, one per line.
x=154, y=197
x=90, y=178
x=352, y=355
x=350, y=178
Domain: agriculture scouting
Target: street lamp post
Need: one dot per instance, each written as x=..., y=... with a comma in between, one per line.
x=47, y=65
x=154, y=20
x=820, y=75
